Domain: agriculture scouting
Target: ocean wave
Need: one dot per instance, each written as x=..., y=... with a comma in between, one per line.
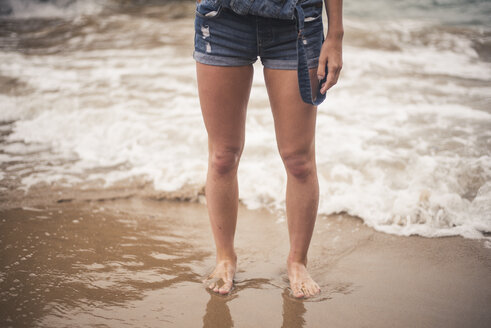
x=67, y=9
x=24, y=9
x=402, y=142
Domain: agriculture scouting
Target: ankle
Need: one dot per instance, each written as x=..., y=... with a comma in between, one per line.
x=229, y=256
x=296, y=260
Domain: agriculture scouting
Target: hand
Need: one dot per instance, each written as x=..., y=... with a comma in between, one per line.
x=332, y=54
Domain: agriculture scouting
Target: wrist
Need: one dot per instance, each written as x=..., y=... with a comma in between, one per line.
x=335, y=34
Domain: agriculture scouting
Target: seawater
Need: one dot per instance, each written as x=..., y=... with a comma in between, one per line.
x=97, y=94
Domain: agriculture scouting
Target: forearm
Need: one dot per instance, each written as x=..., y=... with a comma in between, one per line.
x=332, y=49
x=334, y=9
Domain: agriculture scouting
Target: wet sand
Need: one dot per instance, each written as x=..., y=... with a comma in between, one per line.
x=134, y=262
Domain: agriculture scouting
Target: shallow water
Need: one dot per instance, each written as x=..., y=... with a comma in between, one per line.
x=69, y=263
x=136, y=262
x=102, y=96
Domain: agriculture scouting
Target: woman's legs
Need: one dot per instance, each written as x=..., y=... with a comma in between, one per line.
x=224, y=94
x=295, y=133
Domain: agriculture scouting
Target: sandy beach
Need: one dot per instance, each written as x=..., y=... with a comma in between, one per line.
x=139, y=262
x=103, y=160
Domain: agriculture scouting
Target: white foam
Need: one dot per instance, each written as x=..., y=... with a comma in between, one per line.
x=56, y=8
x=399, y=142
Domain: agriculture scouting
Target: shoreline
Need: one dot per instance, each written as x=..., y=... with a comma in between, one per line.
x=122, y=261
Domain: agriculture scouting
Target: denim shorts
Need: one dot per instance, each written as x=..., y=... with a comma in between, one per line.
x=224, y=38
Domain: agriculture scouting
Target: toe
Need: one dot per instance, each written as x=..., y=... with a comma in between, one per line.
x=312, y=291
x=226, y=288
x=297, y=291
x=311, y=288
x=299, y=294
x=214, y=286
x=305, y=291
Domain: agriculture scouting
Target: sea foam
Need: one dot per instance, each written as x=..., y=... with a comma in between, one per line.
x=402, y=142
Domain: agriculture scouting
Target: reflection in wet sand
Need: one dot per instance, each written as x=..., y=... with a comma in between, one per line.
x=293, y=311
x=62, y=262
x=81, y=263
x=138, y=263
x=217, y=312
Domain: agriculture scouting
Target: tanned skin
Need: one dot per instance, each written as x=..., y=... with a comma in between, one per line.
x=224, y=94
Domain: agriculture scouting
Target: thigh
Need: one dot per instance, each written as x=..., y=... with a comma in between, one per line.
x=224, y=94
x=294, y=119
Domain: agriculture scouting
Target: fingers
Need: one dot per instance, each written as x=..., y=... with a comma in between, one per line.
x=331, y=54
x=332, y=77
x=321, y=69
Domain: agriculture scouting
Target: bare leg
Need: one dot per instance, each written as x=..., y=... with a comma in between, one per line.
x=224, y=94
x=295, y=133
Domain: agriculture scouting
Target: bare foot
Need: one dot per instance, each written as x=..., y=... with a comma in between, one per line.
x=222, y=279
x=301, y=283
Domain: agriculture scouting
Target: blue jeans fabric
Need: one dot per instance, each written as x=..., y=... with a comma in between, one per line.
x=284, y=9
x=224, y=38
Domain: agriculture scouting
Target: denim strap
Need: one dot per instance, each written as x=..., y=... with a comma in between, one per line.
x=303, y=68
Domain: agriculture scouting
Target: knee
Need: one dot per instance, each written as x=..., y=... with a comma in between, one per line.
x=225, y=160
x=300, y=166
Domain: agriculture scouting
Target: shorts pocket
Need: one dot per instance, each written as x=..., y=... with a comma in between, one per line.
x=312, y=13
x=208, y=8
